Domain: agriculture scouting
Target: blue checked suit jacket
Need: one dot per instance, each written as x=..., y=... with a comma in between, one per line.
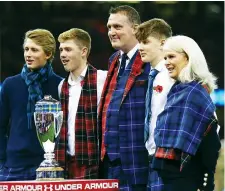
x=133, y=154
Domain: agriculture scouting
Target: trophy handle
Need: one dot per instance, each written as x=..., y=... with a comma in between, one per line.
x=58, y=121
x=35, y=121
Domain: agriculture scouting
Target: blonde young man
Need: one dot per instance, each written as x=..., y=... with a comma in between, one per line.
x=80, y=92
x=20, y=150
x=151, y=36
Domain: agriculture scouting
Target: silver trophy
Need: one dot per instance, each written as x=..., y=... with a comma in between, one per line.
x=48, y=118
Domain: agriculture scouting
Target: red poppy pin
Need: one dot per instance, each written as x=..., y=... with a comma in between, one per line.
x=158, y=88
x=82, y=83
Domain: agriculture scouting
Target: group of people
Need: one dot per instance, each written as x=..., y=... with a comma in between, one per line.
x=148, y=121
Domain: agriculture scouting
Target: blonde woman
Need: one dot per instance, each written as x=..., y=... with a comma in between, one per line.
x=187, y=143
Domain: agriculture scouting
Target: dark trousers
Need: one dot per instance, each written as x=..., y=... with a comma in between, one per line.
x=113, y=170
x=162, y=180
x=170, y=178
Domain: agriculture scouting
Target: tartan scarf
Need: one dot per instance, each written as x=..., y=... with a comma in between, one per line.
x=86, y=147
x=188, y=112
x=33, y=80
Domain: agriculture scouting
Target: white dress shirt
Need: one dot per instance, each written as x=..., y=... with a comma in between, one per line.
x=130, y=54
x=158, y=101
x=74, y=97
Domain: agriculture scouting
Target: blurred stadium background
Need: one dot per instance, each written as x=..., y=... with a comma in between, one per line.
x=203, y=21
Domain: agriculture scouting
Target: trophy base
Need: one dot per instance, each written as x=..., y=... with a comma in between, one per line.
x=49, y=174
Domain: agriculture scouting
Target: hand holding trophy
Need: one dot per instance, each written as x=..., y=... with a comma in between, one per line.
x=48, y=118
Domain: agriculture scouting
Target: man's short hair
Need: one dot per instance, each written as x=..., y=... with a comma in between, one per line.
x=157, y=28
x=81, y=38
x=132, y=15
x=43, y=38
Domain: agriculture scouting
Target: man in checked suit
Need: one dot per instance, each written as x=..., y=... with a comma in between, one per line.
x=122, y=105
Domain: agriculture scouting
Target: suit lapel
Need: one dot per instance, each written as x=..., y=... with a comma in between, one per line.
x=136, y=70
x=107, y=81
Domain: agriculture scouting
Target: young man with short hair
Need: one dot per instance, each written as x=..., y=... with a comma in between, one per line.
x=20, y=150
x=80, y=92
x=151, y=35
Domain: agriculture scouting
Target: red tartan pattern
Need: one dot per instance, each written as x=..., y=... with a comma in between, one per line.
x=60, y=150
x=173, y=154
x=167, y=153
x=136, y=70
x=77, y=171
x=108, y=89
x=86, y=146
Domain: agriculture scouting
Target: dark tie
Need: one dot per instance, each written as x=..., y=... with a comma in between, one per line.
x=122, y=65
x=148, y=112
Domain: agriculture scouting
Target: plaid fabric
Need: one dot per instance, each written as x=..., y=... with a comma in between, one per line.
x=109, y=87
x=162, y=180
x=61, y=147
x=34, y=80
x=118, y=173
x=155, y=182
x=168, y=153
x=174, y=154
x=16, y=174
x=86, y=147
x=112, y=124
x=133, y=154
x=186, y=116
x=85, y=171
x=48, y=108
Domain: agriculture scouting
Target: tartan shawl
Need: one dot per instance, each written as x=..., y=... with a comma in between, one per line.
x=33, y=80
x=86, y=147
x=188, y=112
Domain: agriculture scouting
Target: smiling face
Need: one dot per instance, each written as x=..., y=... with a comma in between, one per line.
x=72, y=56
x=34, y=55
x=121, y=32
x=151, y=50
x=175, y=62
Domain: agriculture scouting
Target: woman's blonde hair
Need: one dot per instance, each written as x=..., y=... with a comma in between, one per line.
x=197, y=68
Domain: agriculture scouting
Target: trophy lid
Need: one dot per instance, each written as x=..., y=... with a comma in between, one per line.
x=48, y=104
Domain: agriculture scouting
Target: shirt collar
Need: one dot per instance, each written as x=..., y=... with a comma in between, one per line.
x=160, y=66
x=131, y=52
x=72, y=80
